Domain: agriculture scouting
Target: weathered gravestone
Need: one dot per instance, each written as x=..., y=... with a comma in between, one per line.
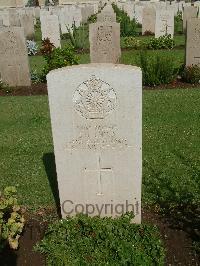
x=138, y=10
x=128, y=7
x=51, y=29
x=76, y=15
x=14, y=19
x=193, y=42
x=148, y=20
x=7, y=3
x=106, y=16
x=41, y=2
x=197, y=5
x=104, y=42
x=20, y=3
x=27, y=22
x=86, y=12
x=172, y=6
x=188, y=13
x=4, y=15
x=14, y=65
x=66, y=19
x=96, y=117
x=44, y=12
x=164, y=23
x=37, y=12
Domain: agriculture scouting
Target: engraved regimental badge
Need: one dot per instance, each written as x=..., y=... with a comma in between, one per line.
x=94, y=99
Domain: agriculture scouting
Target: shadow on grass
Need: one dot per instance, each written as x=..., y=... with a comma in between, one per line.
x=50, y=167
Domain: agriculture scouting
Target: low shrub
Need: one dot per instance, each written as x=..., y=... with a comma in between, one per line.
x=35, y=77
x=84, y=240
x=5, y=87
x=79, y=36
x=57, y=58
x=11, y=219
x=157, y=70
x=163, y=42
x=132, y=42
x=191, y=74
x=32, y=47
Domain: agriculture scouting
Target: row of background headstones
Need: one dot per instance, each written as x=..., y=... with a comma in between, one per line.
x=105, y=50
x=17, y=25
x=70, y=14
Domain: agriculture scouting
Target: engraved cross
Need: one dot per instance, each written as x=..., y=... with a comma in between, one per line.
x=101, y=170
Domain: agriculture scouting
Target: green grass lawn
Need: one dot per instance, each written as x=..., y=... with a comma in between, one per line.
x=171, y=148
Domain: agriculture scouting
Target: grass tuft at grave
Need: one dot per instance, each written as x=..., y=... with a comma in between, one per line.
x=84, y=240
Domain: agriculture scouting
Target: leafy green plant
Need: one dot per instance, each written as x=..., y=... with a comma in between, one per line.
x=178, y=23
x=35, y=77
x=11, y=219
x=5, y=87
x=92, y=18
x=191, y=74
x=84, y=240
x=163, y=42
x=31, y=3
x=128, y=27
x=79, y=36
x=57, y=58
x=157, y=70
x=132, y=42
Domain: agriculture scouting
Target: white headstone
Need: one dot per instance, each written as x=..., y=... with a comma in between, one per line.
x=188, y=13
x=106, y=15
x=193, y=42
x=66, y=19
x=8, y=3
x=14, y=19
x=96, y=117
x=164, y=23
x=128, y=7
x=4, y=15
x=37, y=12
x=14, y=65
x=27, y=22
x=76, y=13
x=86, y=12
x=104, y=42
x=148, y=19
x=138, y=13
x=41, y=2
x=51, y=29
